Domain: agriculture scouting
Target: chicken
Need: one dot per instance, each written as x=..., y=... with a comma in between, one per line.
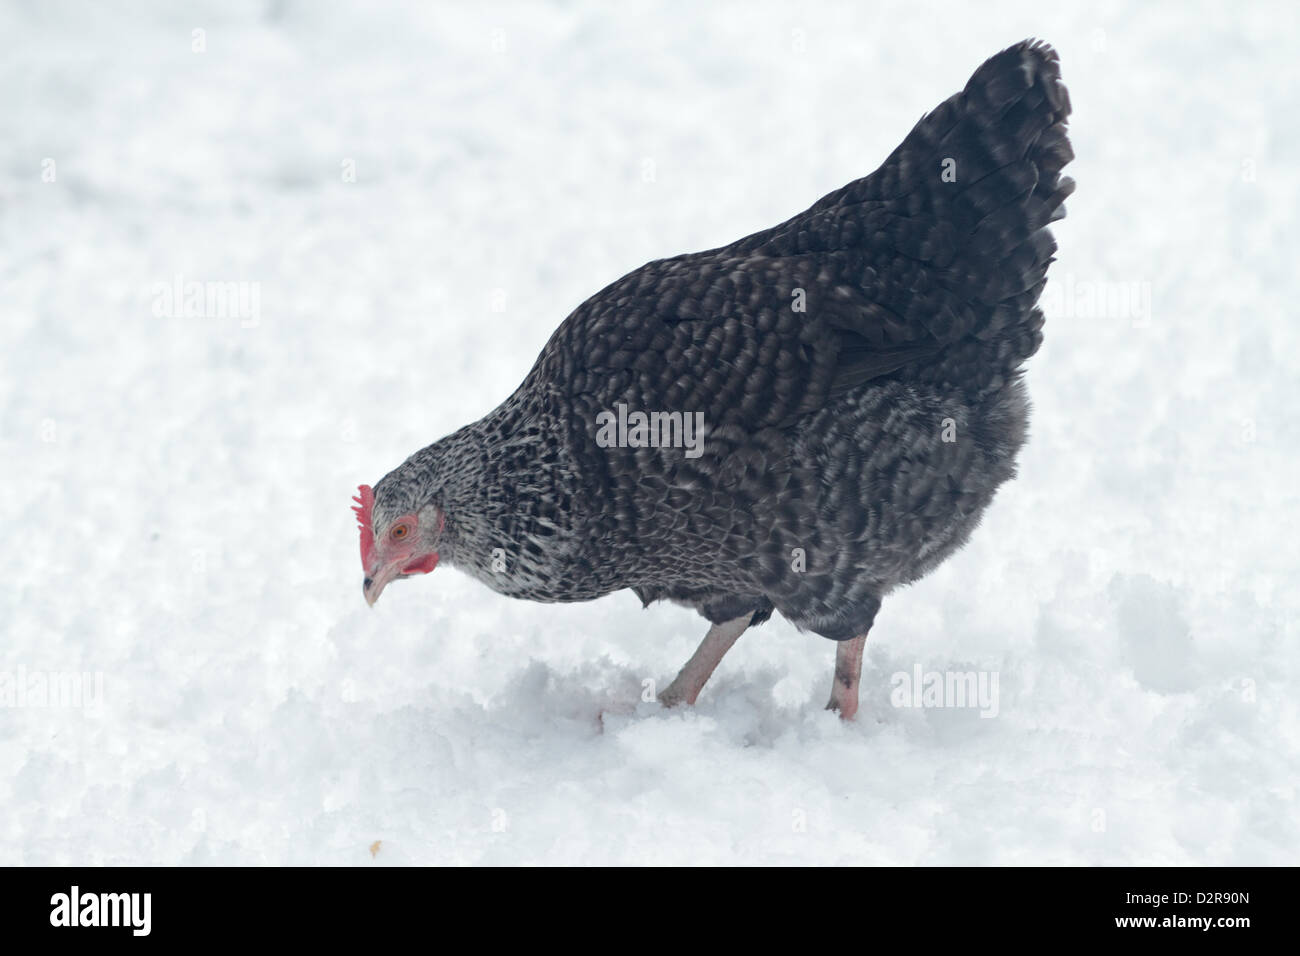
x=800, y=421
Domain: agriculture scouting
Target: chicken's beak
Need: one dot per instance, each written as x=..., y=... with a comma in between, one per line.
x=374, y=584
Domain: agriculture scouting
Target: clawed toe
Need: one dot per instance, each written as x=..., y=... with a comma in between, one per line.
x=847, y=709
x=673, y=698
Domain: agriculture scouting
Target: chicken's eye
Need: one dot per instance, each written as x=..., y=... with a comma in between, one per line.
x=400, y=531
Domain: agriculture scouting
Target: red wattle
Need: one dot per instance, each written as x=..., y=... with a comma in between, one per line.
x=423, y=566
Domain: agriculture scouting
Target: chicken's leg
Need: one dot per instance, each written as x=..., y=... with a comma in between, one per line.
x=688, y=683
x=848, y=673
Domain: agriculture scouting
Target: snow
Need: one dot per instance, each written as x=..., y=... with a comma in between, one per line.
x=176, y=488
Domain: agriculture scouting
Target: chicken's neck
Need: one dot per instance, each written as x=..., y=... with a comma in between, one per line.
x=497, y=483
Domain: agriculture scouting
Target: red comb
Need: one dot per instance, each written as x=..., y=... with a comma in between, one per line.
x=365, y=505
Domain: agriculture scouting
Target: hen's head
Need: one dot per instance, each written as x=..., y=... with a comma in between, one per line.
x=398, y=538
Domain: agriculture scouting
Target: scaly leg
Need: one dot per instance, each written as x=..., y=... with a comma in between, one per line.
x=848, y=674
x=688, y=683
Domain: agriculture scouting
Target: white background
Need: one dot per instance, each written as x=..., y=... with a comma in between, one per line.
x=175, y=501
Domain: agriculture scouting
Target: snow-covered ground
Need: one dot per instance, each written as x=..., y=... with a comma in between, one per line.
x=409, y=199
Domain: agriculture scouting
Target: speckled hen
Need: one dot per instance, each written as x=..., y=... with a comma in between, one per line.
x=800, y=421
